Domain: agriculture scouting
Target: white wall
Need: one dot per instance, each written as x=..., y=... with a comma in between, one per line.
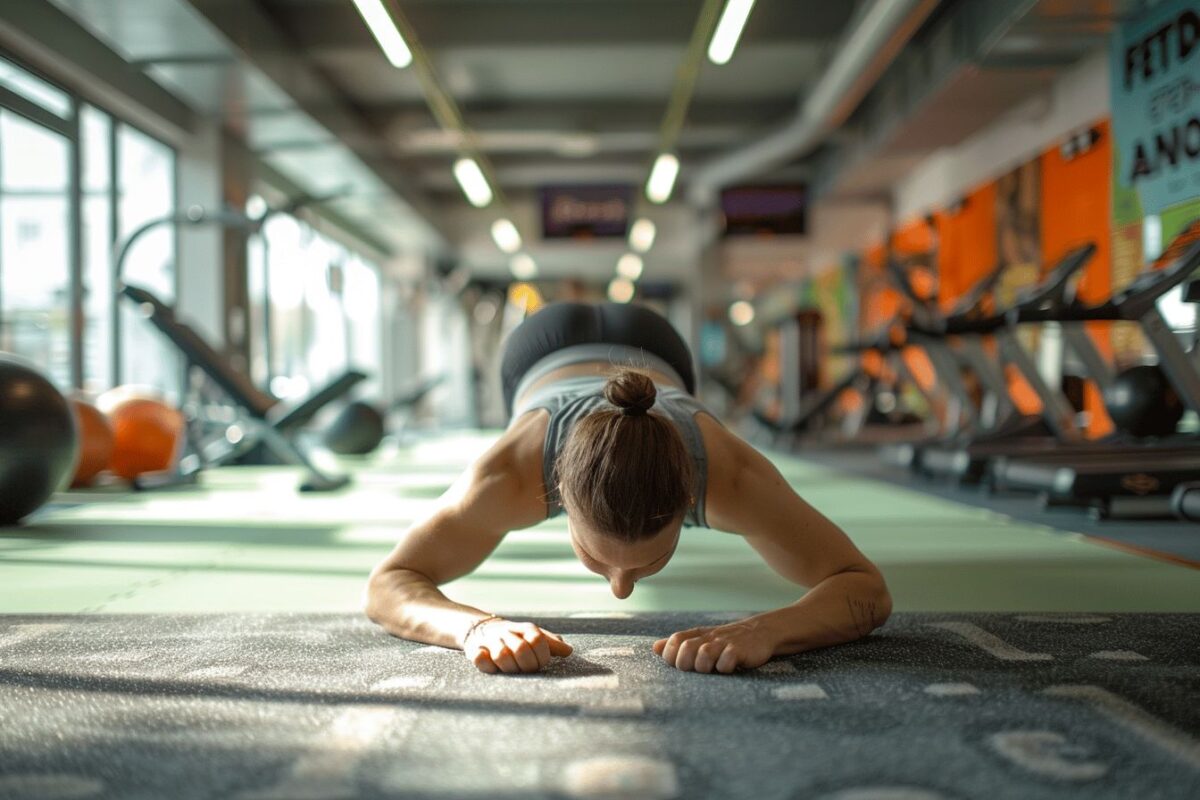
x=1078, y=98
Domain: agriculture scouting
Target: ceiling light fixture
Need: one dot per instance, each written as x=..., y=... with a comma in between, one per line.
x=474, y=184
x=729, y=30
x=741, y=313
x=662, y=178
x=506, y=236
x=384, y=29
x=523, y=267
x=620, y=290
x=641, y=235
x=630, y=266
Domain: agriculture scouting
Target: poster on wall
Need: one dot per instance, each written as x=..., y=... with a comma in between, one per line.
x=1155, y=79
x=1155, y=83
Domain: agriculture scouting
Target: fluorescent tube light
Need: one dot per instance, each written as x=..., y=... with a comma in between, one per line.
x=662, y=178
x=641, y=235
x=630, y=266
x=729, y=30
x=523, y=267
x=474, y=185
x=384, y=29
x=620, y=290
x=506, y=236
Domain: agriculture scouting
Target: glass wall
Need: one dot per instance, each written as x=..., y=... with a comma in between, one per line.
x=98, y=219
x=315, y=308
x=35, y=271
x=361, y=299
x=315, y=303
x=145, y=192
x=124, y=178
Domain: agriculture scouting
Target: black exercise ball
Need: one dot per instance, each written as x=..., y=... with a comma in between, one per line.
x=357, y=430
x=1142, y=402
x=38, y=439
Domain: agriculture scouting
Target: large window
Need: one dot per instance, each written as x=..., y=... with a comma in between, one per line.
x=35, y=271
x=98, y=218
x=58, y=228
x=146, y=192
x=315, y=308
x=361, y=299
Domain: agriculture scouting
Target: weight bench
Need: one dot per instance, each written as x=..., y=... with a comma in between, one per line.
x=260, y=417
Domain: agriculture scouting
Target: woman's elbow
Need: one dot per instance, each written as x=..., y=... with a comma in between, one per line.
x=375, y=592
x=881, y=600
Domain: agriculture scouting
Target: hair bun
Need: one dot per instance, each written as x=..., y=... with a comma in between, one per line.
x=630, y=391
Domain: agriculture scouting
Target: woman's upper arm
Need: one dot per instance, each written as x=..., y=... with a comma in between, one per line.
x=503, y=491
x=748, y=496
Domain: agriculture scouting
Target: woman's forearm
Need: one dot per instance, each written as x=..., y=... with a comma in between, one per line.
x=410, y=606
x=841, y=608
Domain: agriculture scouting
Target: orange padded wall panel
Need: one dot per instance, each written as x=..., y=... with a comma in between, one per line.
x=967, y=243
x=1076, y=209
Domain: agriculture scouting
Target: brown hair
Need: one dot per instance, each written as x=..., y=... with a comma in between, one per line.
x=623, y=471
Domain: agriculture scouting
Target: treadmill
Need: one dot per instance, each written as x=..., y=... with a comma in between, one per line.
x=964, y=456
x=1129, y=480
x=924, y=329
x=810, y=417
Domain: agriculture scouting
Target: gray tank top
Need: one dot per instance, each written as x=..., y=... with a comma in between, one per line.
x=571, y=399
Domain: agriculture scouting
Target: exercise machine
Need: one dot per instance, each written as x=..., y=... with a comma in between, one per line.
x=1129, y=479
x=249, y=416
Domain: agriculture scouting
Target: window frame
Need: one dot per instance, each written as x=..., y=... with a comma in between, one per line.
x=70, y=129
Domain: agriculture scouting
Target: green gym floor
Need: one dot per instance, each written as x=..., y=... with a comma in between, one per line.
x=206, y=642
x=246, y=541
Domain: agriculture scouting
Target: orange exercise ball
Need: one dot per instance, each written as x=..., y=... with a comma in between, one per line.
x=95, y=443
x=147, y=434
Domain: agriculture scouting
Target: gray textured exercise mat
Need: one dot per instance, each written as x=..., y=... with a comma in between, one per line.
x=327, y=706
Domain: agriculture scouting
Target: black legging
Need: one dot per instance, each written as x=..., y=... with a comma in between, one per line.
x=566, y=324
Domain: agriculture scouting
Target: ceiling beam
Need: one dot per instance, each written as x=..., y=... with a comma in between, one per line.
x=600, y=115
x=270, y=50
x=450, y=23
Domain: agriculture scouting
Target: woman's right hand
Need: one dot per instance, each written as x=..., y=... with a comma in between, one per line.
x=500, y=645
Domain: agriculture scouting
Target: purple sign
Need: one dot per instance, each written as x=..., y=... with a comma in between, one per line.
x=585, y=212
x=765, y=210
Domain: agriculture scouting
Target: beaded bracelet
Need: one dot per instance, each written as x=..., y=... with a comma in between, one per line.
x=475, y=625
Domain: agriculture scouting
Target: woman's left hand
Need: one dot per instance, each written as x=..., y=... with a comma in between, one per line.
x=724, y=648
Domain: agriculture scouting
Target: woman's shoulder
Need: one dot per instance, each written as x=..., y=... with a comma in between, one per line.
x=730, y=460
x=519, y=449
x=507, y=478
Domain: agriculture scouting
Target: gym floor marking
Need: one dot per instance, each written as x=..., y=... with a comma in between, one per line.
x=1046, y=753
x=432, y=649
x=1118, y=655
x=610, y=652
x=1064, y=619
x=23, y=633
x=328, y=770
x=217, y=671
x=950, y=689
x=1136, y=719
x=885, y=793
x=404, y=682
x=129, y=657
x=613, y=706
x=56, y=787
x=609, y=681
x=621, y=776
x=990, y=642
x=800, y=691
